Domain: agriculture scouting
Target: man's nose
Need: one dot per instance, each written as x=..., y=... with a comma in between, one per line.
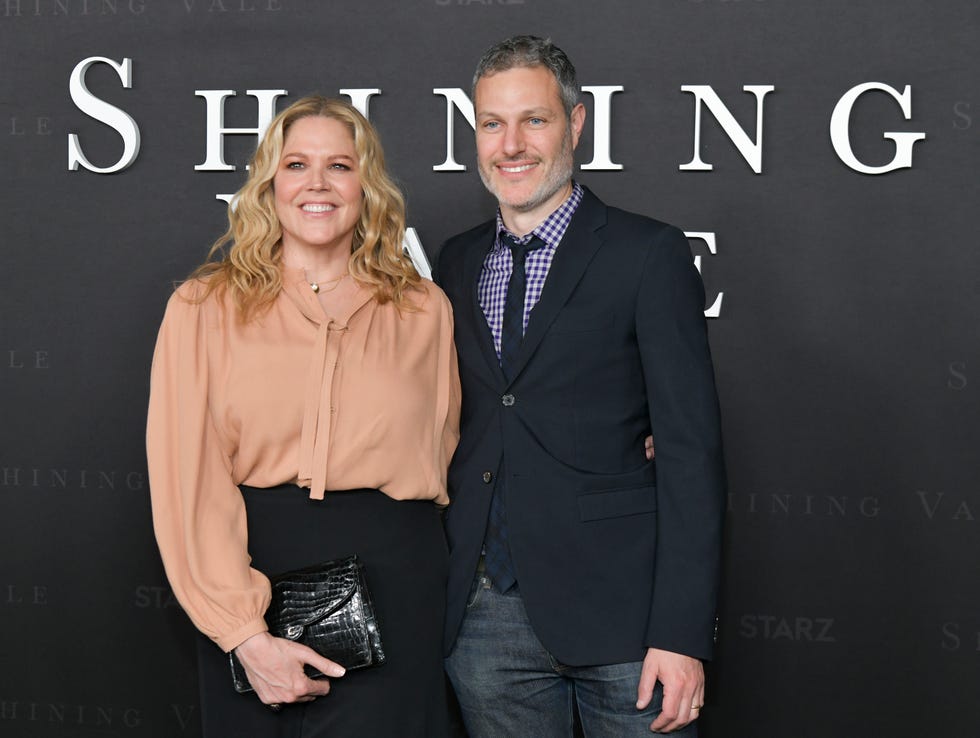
x=513, y=140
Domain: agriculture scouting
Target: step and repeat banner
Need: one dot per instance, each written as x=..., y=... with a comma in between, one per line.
x=821, y=156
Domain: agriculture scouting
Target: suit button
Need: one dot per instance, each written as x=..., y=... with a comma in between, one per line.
x=487, y=477
x=507, y=400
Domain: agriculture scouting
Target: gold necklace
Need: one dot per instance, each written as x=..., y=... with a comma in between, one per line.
x=315, y=284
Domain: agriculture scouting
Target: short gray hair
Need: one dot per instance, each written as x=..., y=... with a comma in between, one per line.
x=530, y=51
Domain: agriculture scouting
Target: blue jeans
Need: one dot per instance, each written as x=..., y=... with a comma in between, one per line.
x=509, y=686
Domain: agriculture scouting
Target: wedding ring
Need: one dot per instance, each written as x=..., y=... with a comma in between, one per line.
x=696, y=707
x=275, y=706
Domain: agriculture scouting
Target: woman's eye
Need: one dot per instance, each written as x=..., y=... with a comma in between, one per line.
x=294, y=165
x=338, y=165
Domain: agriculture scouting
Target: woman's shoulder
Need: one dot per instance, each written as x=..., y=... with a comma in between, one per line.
x=193, y=290
x=210, y=287
x=199, y=296
x=432, y=290
x=427, y=296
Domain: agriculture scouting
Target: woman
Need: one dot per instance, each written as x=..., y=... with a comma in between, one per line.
x=304, y=406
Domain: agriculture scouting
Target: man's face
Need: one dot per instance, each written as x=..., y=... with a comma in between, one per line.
x=524, y=140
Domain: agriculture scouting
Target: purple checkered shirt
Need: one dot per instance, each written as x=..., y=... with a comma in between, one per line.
x=499, y=264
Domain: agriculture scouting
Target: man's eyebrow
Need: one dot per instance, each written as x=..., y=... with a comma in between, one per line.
x=529, y=111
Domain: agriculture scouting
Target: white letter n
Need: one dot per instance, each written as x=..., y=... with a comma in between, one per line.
x=750, y=150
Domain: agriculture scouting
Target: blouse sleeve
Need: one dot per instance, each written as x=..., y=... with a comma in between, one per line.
x=198, y=511
x=447, y=396
x=449, y=366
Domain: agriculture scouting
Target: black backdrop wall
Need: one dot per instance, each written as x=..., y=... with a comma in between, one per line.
x=827, y=153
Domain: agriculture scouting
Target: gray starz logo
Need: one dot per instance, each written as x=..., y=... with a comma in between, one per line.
x=797, y=628
x=154, y=597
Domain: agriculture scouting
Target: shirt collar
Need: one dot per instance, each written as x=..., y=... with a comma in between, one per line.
x=552, y=228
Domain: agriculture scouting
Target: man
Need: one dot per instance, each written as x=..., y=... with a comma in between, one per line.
x=576, y=567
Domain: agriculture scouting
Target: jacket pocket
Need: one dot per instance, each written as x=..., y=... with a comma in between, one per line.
x=617, y=503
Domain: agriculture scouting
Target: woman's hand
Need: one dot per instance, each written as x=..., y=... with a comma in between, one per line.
x=648, y=448
x=274, y=667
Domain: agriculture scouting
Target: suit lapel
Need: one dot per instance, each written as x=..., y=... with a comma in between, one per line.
x=475, y=256
x=576, y=249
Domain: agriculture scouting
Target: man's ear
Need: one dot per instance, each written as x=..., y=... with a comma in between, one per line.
x=577, y=121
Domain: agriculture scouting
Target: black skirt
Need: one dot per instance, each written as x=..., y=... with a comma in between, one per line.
x=403, y=549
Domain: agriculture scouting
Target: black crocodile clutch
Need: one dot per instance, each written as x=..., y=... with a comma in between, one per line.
x=328, y=608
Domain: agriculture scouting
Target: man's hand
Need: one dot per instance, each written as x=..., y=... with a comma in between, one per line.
x=274, y=667
x=683, y=681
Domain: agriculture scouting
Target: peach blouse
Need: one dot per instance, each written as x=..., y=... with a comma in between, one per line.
x=365, y=400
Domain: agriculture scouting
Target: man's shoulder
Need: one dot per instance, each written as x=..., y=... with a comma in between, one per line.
x=617, y=221
x=452, y=251
x=635, y=220
x=475, y=234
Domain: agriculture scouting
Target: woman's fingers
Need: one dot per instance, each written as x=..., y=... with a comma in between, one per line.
x=274, y=667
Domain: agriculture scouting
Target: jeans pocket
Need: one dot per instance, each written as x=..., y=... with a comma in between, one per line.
x=480, y=583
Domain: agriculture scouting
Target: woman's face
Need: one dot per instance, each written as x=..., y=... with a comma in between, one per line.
x=317, y=187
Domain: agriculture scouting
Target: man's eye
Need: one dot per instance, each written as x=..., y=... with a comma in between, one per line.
x=536, y=121
x=491, y=125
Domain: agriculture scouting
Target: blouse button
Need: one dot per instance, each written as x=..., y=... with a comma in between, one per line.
x=507, y=400
x=487, y=477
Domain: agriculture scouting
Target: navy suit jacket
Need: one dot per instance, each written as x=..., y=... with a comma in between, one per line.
x=613, y=554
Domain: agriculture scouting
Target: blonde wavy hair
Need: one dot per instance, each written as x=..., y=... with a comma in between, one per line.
x=250, y=269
